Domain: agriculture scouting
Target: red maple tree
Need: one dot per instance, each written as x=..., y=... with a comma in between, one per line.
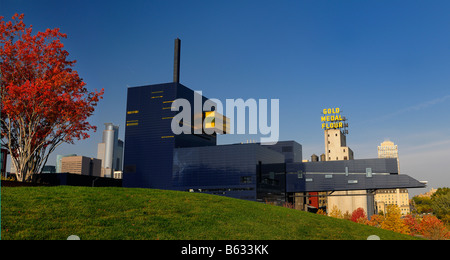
x=359, y=216
x=44, y=102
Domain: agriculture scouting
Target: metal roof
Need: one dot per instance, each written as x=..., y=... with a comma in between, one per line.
x=304, y=182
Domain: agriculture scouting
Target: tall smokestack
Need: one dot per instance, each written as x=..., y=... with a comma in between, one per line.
x=176, y=63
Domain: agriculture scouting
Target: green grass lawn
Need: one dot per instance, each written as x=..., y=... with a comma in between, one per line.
x=128, y=213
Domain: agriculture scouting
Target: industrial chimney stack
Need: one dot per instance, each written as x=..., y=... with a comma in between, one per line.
x=176, y=63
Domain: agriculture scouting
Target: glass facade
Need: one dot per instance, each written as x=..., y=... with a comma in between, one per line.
x=271, y=183
x=229, y=170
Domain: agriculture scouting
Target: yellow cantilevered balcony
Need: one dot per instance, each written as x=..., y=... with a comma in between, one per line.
x=217, y=122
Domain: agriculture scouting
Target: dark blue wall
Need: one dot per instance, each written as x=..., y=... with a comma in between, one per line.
x=148, y=156
x=149, y=140
x=291, y=150
x=229, y=170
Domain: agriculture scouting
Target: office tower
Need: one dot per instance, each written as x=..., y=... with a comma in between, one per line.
x=388, y=149
x=58, y=161
x=81, y=165
x=399, y=197
x=110, y=151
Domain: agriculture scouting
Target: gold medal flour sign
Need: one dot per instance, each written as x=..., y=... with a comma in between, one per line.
x=332, y=119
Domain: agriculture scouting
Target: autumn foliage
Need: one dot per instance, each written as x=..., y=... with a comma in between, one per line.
x=431, y=227
x=359, y=216
x=427, y=226
x=44, y=102
x=413, y=224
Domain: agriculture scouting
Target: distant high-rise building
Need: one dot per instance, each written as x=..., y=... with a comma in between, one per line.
x=388, y=149
x=399, y=197
x=110, y=151
x=58, y=161
x=81, y=165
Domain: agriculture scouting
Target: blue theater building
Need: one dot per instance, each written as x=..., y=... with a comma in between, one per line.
x=155, y=157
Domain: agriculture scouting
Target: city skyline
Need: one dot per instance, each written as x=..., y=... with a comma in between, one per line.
x=384, y=64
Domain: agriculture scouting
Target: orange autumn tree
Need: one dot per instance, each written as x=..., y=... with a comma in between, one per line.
x=412, y=223
x=44, y=102
x=432, y=228
x=393, y=220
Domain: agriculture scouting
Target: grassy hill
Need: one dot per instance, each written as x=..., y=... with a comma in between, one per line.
x=125, y=213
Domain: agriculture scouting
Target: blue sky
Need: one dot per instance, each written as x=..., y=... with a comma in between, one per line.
x=386, y=64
